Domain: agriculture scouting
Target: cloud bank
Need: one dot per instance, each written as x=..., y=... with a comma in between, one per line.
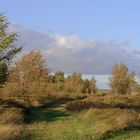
x=70, y=53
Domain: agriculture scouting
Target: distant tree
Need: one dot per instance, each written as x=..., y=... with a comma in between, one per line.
x=122, y=82
x=59, y=80
x=8, y=49
x=59, y=76
x=92, y=85
x=89, y=86
x=74, y=83
x=51, y=78
x=86, y=88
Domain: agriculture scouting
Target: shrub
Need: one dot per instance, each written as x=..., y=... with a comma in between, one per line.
x=107, y=101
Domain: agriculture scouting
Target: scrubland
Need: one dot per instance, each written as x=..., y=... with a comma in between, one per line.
x=63, y=117
x=38, y=105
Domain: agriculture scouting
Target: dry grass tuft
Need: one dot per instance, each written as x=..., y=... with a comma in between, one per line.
x=11, y=115
x=13, y=132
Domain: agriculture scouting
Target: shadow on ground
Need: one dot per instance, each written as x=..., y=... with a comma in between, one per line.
x=45, y=115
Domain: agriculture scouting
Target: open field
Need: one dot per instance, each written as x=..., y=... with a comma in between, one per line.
x=55, y=122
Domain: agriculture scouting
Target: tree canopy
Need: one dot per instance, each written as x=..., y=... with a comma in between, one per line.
x=121, y=81
x=8, y=47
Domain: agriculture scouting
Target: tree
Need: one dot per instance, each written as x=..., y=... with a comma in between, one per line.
x=3, y=73
x=8, y=49
x=89, y=86
x=59, y=77
x=86, y=88
x=29, y=75
x=51, y=79
x=121, y=82
x=74, y=83
x=92, y=85
x=59, y=80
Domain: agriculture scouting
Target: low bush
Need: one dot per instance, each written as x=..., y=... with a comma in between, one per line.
x=108, y=101
x=66, y=96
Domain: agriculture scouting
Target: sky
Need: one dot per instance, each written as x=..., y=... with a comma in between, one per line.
x=102, y=19
x=96, y=30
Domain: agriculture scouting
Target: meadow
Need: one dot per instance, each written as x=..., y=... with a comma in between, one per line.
x=54, y=120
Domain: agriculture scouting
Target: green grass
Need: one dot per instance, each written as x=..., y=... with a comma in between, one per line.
x=39, y=115
x=55, y=123
x=126, y=135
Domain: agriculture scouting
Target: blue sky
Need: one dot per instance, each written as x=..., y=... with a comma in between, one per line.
x=101, y=19
x=82, y=24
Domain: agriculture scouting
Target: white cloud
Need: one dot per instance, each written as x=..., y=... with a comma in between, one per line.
x=70, y=53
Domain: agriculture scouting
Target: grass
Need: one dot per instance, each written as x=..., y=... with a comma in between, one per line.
x=53, y=121
x=39, y=115
x=126, y=135
x=13, y=132
x=11, y=115
x=94, y=124
x=11, y=124
x=14, y=111
x=56, y=123
x=61, y=129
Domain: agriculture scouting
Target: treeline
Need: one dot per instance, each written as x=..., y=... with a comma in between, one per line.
x=73, y=83
x=30, y=73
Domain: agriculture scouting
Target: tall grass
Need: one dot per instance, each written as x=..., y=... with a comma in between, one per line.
x=93, y=124
x=108, y=101
x=13, y=132
x=11, y=124
x=108, y=121
x=11, y=115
